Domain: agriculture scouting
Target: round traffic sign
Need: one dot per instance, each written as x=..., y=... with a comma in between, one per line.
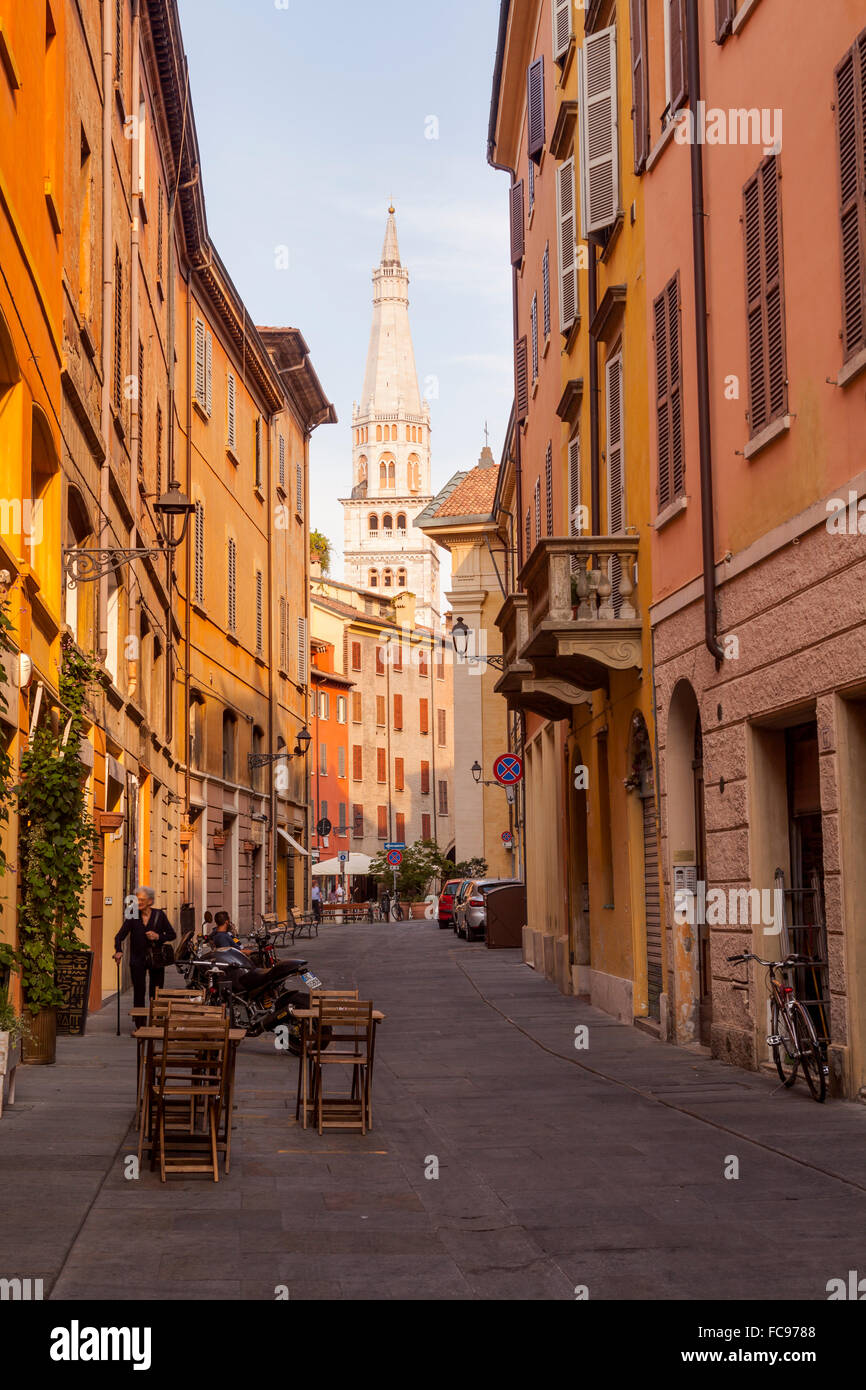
x=395, y=857
x=508, y=769
x=324, y=827
x=507, y=837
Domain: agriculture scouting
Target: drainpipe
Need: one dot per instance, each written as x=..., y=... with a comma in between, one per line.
x=270, y=767
x=594, y=446
x=134, y=327
x=701, y=338
x=107, y=307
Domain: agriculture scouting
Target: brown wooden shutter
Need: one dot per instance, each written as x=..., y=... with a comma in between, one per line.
x=425, y=779
x=535, y=107
x=675, y=360
x=380, y=662
x=851, y=118
x=400, y=825
x=380, y=710
x=679, y=71
x=765, y=312
x=356, y=656
x=381, y=766
x=669, y=410
x=357, y=707
x=518, y=237
x=639, y=85
x=382, y=817
x=358, y=822
x=425, y=827
x=724, y=19
x=441, y=732
x=398, y=711
x=663, y=399
x=521, y=371
x=398, y=776
x=357, y=762
x=424, y=716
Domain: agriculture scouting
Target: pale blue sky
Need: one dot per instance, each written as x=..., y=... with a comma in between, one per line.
x=310, y=119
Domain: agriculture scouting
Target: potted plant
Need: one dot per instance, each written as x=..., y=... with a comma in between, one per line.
x=13, y=1027
x=219, y=839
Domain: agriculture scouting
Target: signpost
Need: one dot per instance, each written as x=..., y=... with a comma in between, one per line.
x=394, y=857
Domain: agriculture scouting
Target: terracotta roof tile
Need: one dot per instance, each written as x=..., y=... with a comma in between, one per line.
x=474, y=496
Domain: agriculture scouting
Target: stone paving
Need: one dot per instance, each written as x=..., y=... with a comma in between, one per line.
x=558, y=1168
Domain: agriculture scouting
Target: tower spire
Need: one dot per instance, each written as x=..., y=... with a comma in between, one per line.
x=391, y=378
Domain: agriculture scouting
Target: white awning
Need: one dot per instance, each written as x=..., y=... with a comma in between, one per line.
x=356, y=864
x=286, y=836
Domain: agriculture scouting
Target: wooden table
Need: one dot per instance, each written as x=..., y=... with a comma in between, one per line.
x=146, y=1037
x=304, y=1103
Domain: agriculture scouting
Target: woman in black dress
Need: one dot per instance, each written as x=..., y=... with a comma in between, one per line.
x=147, y=931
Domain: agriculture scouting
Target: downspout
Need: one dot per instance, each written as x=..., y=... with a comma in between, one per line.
x=708, y=537
x=594, y=442
x=107, y=308
x=136, y=430
x=271, y=691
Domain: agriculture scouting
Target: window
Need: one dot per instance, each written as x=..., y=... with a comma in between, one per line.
x=383, y=472
x=616, y=500
x=199, y=552
x=424, y=716
x=401, y=579
x=531, y=187
x=118, y=40
x=341, y=761
x=341, y=709
x=567, y=235
x=196, y=729
x=231, y=423
x=382, y=822
x=425, y=826
x=140, y=407
x=521, y=382
x=562, y=29
x=575, y=517
x=358, y=822
x=533, y=319
x=356, y=656
x=398, y=780
x=537, y=500
x=160, y=241
x=282, y=462
x=441, y=728
x=639, y=83
x=378, y=434
x=518, y=230
x=381, y=765
x=398, y=711
x=725, y=10
x=357, y=707
x=443, y=798
x=388, y=579
x=545, y=286
x=387, y=524
x=380, y=711
x=260, y=614
x=373, y=580
x=535, y=108
x=323, y=810
x=392, y=476
x=440, y=661
x=373, y=524
x=232, y=577
x=765, y=295
x=397, y=658
x=323, y=759
x=380, y=662
x=423, y=662
x=400, y=826
x=357, y=762
x=118, y=332
x=528, y=531
x=401, y=523
x=676, y=80
x=548, y=489
x=324, y=705
x=158, y=450
x=299, y=489
x=203, y=368
x=669, y=394
x=259, y=450
x=598, y=135
x=425, y=779
x=230, y=725
x=303, y=651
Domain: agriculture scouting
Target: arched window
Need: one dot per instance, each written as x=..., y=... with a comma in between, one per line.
x=388, y=579
x=362, y=469
x=387, y=523
x=394, y=433
x=196, y=729
x=383, y=476
x=373, y=582
x=258, y=773
x=379, y=434
x=401, y=579
x=414, y=472
x=392, y=476
x=373, y=524
x=230, y=725
x=79, y=609
x=40, y=517
x=408, y=433
x=401, y=523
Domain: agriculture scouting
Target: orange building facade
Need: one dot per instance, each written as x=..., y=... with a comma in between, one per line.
x=329, y=770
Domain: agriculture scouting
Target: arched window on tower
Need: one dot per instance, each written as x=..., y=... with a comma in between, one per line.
x=394, y=433
x=379, y=434
x=388, y=524
x=408, y=433
x=392, y=475
x=401, y=524
x=362, y=469
x=373, y=579
x=383, y=476
x=414, y=472
x=401, y=579
x=388, y=579
x=373, y=524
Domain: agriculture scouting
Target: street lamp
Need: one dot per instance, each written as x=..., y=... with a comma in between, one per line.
x=301, y=748
x=476, y=771
x=460, y=639
x=85, y=566
x=302, y=745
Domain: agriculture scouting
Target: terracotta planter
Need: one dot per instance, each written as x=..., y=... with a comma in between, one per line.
x=219, y=841
x=417, y=911
x=40, y=1048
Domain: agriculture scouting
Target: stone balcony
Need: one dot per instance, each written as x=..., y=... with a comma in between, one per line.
x=576, y=621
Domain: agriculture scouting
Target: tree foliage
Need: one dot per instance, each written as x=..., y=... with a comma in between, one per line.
x=320, y=549
x=422, y=863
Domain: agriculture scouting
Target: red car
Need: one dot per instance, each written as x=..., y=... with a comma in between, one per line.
x=446, y=901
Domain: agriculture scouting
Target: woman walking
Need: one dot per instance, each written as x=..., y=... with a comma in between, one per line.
x=147, y=931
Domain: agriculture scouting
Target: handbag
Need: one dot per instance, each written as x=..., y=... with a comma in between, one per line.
x=158, y=955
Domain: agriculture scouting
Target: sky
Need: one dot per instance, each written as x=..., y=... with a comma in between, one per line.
x=311, y=118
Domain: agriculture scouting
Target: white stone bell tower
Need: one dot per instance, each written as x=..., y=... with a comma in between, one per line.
x=391, y=455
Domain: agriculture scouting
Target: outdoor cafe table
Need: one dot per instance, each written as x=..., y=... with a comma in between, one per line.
x=304, y=1103
x=146, y=1037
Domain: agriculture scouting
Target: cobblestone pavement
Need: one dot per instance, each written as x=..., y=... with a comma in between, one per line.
x=558, y=1168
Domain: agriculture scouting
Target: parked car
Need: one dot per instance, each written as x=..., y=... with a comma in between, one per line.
x=470, y=911
x=465, y=884
x=446, y=901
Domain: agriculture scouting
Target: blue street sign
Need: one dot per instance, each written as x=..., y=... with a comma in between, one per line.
x=397, y=844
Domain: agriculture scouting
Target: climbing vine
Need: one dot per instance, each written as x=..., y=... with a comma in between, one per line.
x=56, y=837
x=6, y=789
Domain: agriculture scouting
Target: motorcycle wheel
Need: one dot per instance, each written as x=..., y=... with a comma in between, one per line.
x=242, y=1017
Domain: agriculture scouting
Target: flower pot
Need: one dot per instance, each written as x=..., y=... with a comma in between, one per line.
x=40, y=1048
x=219, y=841
x=418, y=911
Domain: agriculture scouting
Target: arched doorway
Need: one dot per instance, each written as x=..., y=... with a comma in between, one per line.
x=642, y=782
x=686, y=833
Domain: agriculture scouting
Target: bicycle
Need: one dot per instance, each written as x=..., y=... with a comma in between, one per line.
x=792, y=1038
x=397, y=911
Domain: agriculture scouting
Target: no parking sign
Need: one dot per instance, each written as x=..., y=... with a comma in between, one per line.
x=508, y=769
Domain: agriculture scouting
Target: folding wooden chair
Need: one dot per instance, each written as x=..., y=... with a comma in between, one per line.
x=188, y=996
x=193, y=1067
x=349, y=1043
x=306, y=1095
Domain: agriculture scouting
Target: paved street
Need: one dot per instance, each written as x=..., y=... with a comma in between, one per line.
x=558, y=1168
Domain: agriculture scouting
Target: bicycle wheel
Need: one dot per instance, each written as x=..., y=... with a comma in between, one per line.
x=811, y=1057
x=784, y=1053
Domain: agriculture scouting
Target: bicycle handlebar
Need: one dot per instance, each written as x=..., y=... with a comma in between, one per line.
x=790, y=960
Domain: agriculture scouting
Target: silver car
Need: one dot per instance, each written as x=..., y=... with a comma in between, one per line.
x=470, y=913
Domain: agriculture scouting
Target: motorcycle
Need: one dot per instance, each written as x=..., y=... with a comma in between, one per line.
x=258, y=998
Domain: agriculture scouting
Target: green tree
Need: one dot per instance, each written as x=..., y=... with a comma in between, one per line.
x=423, y=863
x=470, y=868
x=320, y=549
